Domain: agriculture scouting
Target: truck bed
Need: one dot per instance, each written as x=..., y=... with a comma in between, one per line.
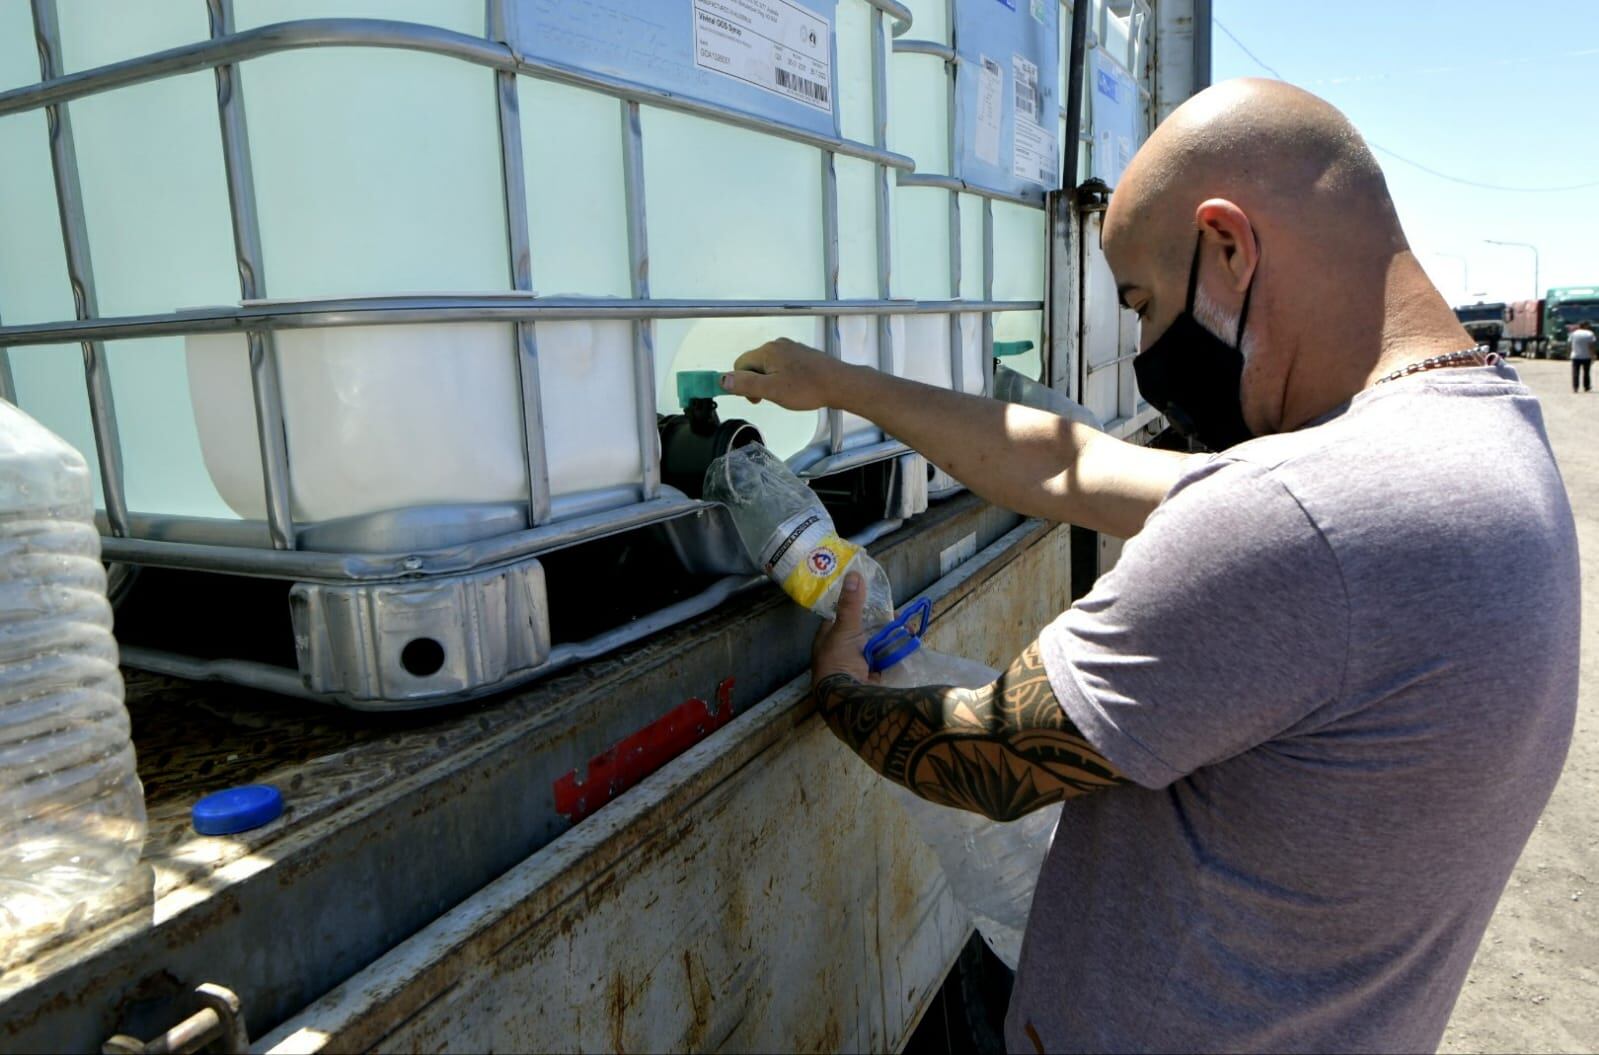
x=392, y=820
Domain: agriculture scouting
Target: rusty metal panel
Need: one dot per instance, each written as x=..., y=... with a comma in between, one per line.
x=761, y=892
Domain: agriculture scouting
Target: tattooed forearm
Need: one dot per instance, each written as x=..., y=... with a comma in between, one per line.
x=1003, y=750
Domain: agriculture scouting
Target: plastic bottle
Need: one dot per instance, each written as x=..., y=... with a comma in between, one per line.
x=992, y=867
x=71, y=807
x=790, y=535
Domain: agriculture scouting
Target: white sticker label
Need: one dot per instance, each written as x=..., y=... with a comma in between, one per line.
x=775, y=45
x=1033, y=154
x=1029, y=104
x=990, y=109
x=956, y=555
x=792, y=542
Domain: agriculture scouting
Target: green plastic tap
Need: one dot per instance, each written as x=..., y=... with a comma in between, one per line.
x=698, y=384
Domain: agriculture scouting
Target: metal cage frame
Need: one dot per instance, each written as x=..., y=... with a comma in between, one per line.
x=276, y=547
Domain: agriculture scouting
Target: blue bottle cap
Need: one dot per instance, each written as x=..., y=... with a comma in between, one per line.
x=237, y=809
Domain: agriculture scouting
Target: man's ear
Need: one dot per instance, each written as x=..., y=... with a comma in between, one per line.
x=1226, y=232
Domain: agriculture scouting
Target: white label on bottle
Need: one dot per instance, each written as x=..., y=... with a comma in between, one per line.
x=793, y=539
x=805, y=556
x=775, y=45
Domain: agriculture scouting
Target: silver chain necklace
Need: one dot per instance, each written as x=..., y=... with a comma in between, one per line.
x=1460, y=358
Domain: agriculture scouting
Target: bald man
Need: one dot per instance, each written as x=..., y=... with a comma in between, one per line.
x=1301, y=760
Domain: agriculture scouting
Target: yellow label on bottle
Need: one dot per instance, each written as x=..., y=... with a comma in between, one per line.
x=823, y=564
x=806, y=557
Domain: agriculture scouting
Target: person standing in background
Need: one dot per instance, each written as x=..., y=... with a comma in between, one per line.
x=1582, y=355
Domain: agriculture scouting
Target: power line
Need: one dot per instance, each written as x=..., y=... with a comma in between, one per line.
x=1263, y=64
x=1477, y=183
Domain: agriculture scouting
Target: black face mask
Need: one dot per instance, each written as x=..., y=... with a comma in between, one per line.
x=1193, y=377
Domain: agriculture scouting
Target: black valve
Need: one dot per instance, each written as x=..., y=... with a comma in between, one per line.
x=690, y=441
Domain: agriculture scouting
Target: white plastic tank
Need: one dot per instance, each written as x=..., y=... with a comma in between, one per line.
x=377, y=172
x=390, y=417
x=71, y=806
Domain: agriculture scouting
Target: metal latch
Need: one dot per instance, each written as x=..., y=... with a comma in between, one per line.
x=217, y=1027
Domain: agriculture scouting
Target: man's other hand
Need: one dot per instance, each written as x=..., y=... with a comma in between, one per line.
x=840, y=644
x=790, y=374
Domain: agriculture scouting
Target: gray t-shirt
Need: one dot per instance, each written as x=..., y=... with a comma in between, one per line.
x=1342, y=665
x=1581, y=344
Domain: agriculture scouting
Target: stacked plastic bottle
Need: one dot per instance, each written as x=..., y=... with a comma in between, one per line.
x=992, y=867
x=71, y=807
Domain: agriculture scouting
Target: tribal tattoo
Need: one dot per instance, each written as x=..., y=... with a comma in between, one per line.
x=1003, y=750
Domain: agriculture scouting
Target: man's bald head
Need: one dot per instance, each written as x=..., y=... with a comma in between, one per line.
x=1286, y=157
x=1269, y=198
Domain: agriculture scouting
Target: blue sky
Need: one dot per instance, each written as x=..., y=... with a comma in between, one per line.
x=1488, y=90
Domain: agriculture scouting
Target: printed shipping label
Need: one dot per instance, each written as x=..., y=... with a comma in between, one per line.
x=1029, y=103
x=1033, y=157
x=805, y=557
x=990, y=110
x=777, y=46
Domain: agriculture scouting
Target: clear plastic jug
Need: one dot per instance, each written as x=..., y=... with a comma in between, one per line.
x=71, y=807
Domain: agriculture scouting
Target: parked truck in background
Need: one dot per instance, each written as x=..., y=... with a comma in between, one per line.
x=1524, y=328
x=433, y=564
x=1564, y=308
x=1485, y=323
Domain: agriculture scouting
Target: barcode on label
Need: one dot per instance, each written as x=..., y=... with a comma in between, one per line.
x=1027, y=98
x=803, y=85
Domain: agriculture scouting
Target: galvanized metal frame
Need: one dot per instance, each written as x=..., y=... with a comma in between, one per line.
x=882, y=192
x=326, y=566
x=519, y=243
x=1033, y=200
x=265, y=385
x=406, y=36
x=639, y=272
x=80, y=272
x=952, y=114
x=286, y=682
x=832, y=341
x=272, y=548
x=956, y=187
x=317, y=313
x=988, y=294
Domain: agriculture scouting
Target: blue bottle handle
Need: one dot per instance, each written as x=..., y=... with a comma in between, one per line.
x=897, y=640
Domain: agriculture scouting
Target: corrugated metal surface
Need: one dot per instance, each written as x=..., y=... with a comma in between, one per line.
x=761, y=892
